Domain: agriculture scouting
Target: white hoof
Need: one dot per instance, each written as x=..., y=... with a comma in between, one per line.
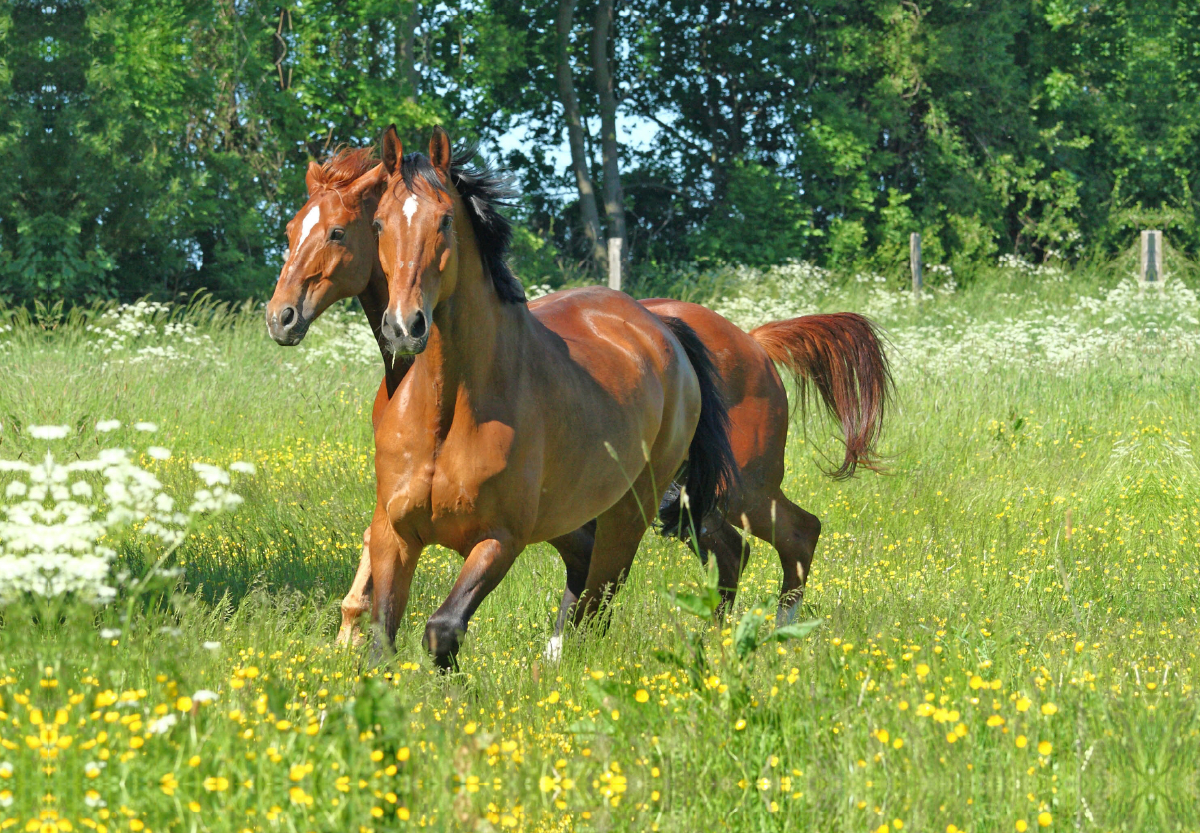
x=553, y=652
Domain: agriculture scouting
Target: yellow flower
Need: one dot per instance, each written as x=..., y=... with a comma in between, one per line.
x=1021, y=741
x=1045, y=747
x=1049, y=709
x=402, y=753
x=922, y=670
x=470, y=728
x=642, y=695
x=184, y=704
x=546, y=784
x=216, y=784
x=1023, y=704
x=1022, y=826
x=882, y=735
x=168, y=783
x=1045, y=819
x=741, y=724
x=995, y=720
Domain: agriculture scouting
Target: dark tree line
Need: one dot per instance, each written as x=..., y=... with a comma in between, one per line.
x=155, y=147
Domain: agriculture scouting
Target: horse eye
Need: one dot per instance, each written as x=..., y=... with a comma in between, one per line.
x=447, y=221
x=337, y=234
x=377, y=227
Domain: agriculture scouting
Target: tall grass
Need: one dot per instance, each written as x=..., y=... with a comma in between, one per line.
x=1007, y=637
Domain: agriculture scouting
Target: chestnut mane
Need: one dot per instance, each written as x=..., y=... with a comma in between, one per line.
x=345, y=166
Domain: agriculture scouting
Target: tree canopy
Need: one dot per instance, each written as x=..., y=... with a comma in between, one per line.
x=157, y=148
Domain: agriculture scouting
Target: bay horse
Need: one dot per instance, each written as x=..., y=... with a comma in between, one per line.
x=512, y=427
x=838, y=357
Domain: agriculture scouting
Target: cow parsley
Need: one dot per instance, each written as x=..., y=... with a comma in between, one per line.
x=63, y=513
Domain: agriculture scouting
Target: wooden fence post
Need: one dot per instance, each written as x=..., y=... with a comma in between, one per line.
x=914, y=262
x=614, y=262
x=1151, y=271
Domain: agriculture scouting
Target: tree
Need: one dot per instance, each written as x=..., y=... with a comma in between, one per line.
x=575, y=130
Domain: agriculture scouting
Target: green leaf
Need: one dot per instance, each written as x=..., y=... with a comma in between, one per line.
x=796, y=630
x=745, y=636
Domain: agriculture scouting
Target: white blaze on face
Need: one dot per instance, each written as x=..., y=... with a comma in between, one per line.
x=410, y=208
x=310, y=220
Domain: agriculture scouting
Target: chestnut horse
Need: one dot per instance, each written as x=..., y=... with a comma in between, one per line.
x=512, y=427
x=838, y=355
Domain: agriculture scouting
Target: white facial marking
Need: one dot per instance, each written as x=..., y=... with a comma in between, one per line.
x=410, y=208
x=310, y=220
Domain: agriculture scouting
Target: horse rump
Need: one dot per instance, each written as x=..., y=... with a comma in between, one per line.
x=711, y=472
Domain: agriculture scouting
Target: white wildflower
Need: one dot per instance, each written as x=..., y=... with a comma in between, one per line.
x=242, y=467
x=148, y=427
x=158, y=452
x=158, y=727
x=49, y=432
x=106, y=425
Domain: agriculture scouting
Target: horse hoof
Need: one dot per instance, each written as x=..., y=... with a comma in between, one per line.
x=553, y=652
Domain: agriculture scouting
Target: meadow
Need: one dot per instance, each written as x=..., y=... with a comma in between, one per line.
x=1007, y=619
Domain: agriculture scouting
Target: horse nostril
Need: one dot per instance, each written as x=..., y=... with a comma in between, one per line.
x=287, y=317
x=418, y=325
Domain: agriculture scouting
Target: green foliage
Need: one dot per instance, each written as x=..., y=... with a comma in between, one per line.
x=156, y=148
x=761, y=220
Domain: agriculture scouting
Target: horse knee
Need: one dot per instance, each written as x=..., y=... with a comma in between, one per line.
x=442, y=640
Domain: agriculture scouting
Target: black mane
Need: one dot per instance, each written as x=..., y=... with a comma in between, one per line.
x=484, y=191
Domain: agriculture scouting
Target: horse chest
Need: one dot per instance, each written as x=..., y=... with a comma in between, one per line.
x=458, y=487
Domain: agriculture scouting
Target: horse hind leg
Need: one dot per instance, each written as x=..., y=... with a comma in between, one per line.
x=575, y=548
x=358, y=599
x=793, y=533
x=727, y=546
x=619, y=532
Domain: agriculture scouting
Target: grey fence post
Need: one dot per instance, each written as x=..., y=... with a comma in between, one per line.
x=614, y=262
x=1151, y=261
x=914, y=262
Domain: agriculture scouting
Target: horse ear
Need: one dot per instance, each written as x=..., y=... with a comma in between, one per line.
x=372, y=179
x=393, y=150
x=439, y=152
x=312, y=178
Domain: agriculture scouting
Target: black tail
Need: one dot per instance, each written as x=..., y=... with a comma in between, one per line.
x=711, y=472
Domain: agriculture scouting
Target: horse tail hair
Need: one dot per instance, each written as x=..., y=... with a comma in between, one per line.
x=842, y=356
x=711, y=472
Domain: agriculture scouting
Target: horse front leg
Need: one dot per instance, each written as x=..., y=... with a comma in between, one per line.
x=358, y=598
x=393, y=562
x=488, y=562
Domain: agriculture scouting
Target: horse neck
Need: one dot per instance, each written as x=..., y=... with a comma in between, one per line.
x=473, y=339
x=374, y=300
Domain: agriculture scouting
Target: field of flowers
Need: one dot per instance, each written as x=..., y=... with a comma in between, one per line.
x=1007, y=635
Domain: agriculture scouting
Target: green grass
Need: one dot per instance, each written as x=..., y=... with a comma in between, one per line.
x=1032, y=557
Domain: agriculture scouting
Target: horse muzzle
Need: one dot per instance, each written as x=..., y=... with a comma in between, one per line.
x=406, y=338
x=287, y=326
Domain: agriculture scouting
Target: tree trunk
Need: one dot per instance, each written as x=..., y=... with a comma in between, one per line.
x=614, y=198
x=406, y=49
x=579, y=162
